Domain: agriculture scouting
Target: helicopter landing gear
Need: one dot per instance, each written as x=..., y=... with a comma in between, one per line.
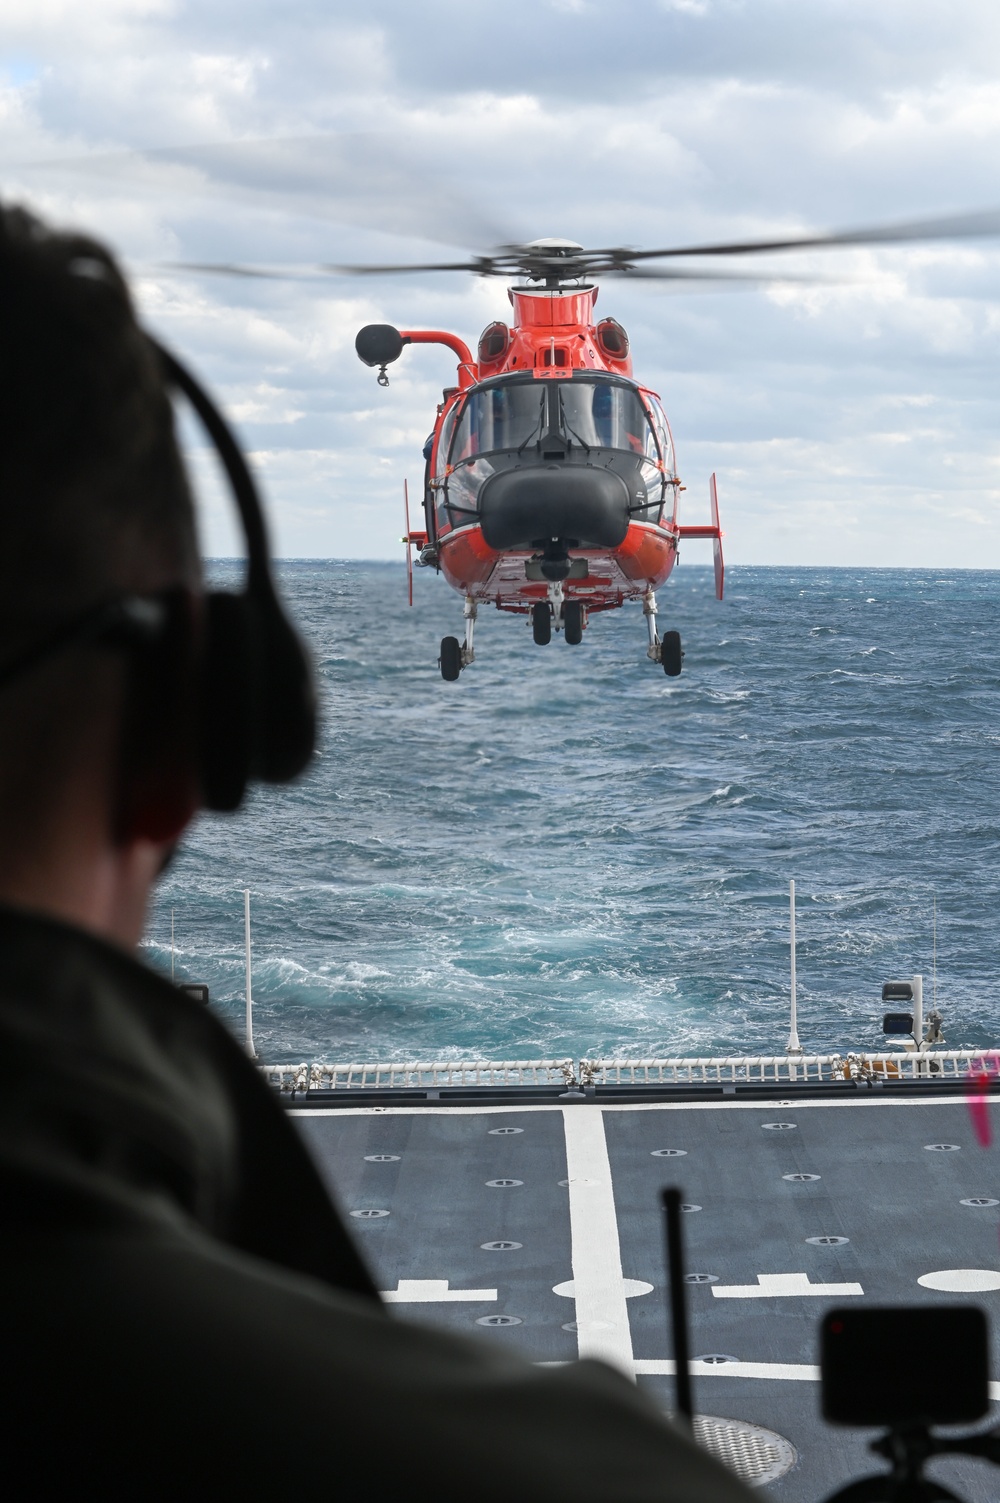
x=471, y=612
x=456, y=655
x=450, y=659
x=649, y=611
x=666, y=650
x=558, y=614
x=671, y=653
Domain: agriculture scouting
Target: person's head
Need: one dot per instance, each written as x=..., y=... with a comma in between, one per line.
x=94, y=507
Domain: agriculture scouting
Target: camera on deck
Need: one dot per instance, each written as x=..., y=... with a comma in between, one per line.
x=907, y=1369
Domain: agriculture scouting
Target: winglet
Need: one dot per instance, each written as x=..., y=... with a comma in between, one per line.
x=715, y=533
x=718, y=560
x=409, y=555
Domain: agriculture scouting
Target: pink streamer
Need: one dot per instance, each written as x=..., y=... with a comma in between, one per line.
x=979, y=1078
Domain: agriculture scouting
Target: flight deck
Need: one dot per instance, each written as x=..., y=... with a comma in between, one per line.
x=539, y=1227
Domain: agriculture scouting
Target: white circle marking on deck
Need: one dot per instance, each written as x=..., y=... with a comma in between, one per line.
x=632, y=1288
x=961, y=1280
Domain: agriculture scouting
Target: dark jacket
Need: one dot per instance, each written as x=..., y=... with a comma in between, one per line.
x=183, y=1313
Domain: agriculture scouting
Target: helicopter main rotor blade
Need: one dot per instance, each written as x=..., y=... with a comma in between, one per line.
x=950, y=227
x=377, y=271
x=318, y=273
x=498, y=266
x=231, y=269
x=692, y=274
x=352, y=177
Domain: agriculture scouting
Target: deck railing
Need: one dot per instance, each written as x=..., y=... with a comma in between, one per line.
x=421, y=1075
x=786, y=1069
x=780, y=1069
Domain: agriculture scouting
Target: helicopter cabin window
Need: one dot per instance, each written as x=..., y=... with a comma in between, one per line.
x=516, y=422
x=663, y=434
x=665, y=442
x=441, y=465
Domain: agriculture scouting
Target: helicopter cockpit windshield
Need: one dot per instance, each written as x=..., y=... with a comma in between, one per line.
x=518, y=421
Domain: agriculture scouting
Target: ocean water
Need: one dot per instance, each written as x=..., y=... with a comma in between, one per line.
x=568, y=854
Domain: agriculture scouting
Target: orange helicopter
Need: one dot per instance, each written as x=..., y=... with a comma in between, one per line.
x=551, y=485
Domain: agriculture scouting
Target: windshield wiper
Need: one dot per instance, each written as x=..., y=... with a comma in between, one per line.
x=565, y=427
x=537, y=428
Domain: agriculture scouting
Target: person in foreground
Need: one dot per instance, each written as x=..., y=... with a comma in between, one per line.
x=183, y=1312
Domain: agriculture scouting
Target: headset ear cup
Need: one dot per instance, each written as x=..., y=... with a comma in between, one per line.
x=158, y=784
x=286, y=713
x=258, y=701
x=226, y=701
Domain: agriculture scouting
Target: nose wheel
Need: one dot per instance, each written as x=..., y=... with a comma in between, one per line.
x=557, y=612
x=541, y=623
x=573, y=622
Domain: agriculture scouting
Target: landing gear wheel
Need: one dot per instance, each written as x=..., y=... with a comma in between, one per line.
x=450, y=659
x=541, y=623
x=573, y=622
x=671, y=655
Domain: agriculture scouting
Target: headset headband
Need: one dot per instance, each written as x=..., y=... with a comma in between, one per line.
x=255, y=695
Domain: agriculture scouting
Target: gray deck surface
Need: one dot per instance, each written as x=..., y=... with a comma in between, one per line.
x=879, y=1186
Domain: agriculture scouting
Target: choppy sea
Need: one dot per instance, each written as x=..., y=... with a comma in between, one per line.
x=568, y=854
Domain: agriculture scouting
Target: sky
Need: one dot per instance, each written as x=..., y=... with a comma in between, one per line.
x=850, y=405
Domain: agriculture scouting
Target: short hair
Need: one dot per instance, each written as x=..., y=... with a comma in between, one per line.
x=94, y=498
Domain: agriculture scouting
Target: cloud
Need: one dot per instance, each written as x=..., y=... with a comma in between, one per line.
x=848, y=419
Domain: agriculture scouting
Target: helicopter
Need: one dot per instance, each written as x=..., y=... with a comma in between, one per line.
x=550, y=484
x=550, y=481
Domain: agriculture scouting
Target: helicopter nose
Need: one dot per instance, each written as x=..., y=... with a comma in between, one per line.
x=575, y=503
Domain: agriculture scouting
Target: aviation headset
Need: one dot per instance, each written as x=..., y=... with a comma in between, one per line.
x=254, y=700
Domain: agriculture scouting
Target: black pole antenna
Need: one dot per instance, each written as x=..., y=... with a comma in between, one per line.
x=678, y=1307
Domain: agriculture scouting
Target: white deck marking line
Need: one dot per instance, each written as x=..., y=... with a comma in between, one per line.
x=789, y=1372
x=783, y=1286
x=610, y=1106
x=793, y=1372
x=602, y=1327
x=432, y=1292
x=422, y=1111
x=786, y=1102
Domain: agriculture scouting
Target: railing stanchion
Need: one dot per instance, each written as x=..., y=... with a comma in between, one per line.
x=249, y=998
x=793, y=1046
